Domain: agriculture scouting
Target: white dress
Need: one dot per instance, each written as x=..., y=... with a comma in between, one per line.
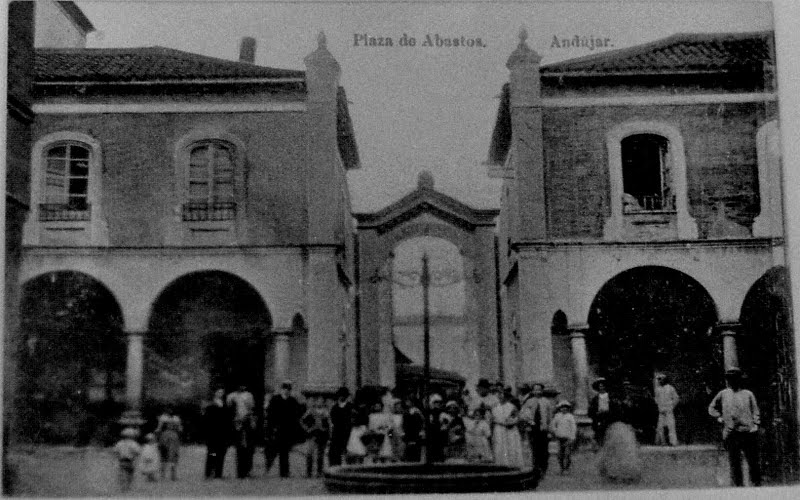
x=506, y=438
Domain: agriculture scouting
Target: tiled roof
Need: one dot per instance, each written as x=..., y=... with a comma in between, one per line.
x=144, y=64
x=680, y=53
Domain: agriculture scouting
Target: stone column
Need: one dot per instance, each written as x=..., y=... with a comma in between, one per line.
x=282, y=357
x=728, y=333
x=134, y=371
x=580, y=364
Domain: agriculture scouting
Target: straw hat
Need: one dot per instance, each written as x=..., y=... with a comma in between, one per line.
x=600, y=380
x=563, y=403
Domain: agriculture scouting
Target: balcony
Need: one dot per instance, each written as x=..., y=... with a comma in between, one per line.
x=61, y=212
x=647, y=203
x=203, y=212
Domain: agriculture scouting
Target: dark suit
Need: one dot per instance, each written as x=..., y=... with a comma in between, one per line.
x=283, y=428
x=217, y=430
x=601, y=419
x=341, y=424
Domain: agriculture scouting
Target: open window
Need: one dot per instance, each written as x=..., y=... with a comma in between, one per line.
x=646, y=180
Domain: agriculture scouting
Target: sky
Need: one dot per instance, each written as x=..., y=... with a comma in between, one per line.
x=414, y=108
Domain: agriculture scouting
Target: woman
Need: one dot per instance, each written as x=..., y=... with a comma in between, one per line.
x=506, y=438
x=169, y=442
x=619, y=456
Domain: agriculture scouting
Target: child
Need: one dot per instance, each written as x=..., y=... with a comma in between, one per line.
x=456, y=447
x=356, y=451
x=150, y=461
x=317, y=426
x=479, y=431
x=565, y=429
x=127, y=450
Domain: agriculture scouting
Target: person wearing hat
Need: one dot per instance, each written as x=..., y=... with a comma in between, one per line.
x=283, y=425
x=536, y=413
x=341, y=418
x=565, y=430
x=437, y=438
x=737, y=410
x=601, y=408
x=666, y=399
x=127, y=450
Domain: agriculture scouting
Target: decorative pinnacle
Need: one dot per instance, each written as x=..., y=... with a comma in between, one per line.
x=322, y=42
x=523, y=35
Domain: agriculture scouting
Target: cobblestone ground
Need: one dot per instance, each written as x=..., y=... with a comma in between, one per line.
x=71, y=472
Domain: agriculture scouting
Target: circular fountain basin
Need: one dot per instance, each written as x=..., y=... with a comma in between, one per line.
x=429, y=478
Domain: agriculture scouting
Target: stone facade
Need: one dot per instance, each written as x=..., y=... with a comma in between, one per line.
x=566, y=231
x=286, y=236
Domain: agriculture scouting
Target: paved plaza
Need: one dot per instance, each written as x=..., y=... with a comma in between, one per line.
x=77, y=472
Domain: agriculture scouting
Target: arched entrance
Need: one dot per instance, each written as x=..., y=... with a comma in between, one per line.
x=453, y=347
x=206, y=329
x=766, y=353
x=654, y=319
x=72, y=383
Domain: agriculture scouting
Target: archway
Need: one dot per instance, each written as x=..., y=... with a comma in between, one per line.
x=765, y=348
x=650, y=320
x=452, y=343
x=206, y=329
x=72, y=361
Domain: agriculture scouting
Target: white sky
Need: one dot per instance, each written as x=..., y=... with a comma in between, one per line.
x=413, y=108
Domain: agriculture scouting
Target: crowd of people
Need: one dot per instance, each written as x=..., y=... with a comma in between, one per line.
x=488, y=424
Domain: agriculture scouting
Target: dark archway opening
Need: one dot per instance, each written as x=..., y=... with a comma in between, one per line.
x=72, y=369
x=207, y=329
x=765, y=348
x=650, y=320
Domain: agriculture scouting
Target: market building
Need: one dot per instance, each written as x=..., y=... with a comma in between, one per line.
x=189, y=226
x=641, y=224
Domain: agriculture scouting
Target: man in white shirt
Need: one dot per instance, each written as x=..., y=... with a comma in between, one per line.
x=737, y=410
x=666, y=399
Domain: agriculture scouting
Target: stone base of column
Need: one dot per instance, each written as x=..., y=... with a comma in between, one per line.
x=585, y=438
x=132, y=418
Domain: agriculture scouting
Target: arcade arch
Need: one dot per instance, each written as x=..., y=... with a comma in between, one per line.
x=72, y=359
x=654, y=319
x=206, y=329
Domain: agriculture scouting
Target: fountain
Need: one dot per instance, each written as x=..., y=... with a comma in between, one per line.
x=428, y=477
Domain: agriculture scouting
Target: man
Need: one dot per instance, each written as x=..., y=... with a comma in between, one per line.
x=341, y=418
x=283, y=425
x=736, y=409
x=435, y=437
x=217, y=424
x=666, y=400
x=537, y=414
x=244, y=425
x=600, y=408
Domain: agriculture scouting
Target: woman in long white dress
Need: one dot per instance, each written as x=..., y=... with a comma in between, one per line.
x=505, y=437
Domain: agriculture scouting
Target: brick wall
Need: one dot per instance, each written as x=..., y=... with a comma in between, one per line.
x=138, y=179
x=720, y=142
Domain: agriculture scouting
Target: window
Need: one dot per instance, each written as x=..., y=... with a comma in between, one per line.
x=648, y=196
x=66, y=190
x=645, y=174
x=211, y=180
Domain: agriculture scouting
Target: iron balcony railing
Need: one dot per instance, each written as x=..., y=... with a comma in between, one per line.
x=49, y=212
x=647, y=203
x=215, y=211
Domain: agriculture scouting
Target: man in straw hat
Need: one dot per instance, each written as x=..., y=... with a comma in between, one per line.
x=666, y=399
x=537, y=412
x=600, y=409
x=565, y=429
x=736, y=409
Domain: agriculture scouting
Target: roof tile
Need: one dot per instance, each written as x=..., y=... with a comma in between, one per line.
x=144, y=64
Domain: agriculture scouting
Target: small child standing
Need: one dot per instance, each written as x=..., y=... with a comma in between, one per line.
x=150, y=461
x=565, y=430
x=478, y=433
x=127, y=450
x=317, y=427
